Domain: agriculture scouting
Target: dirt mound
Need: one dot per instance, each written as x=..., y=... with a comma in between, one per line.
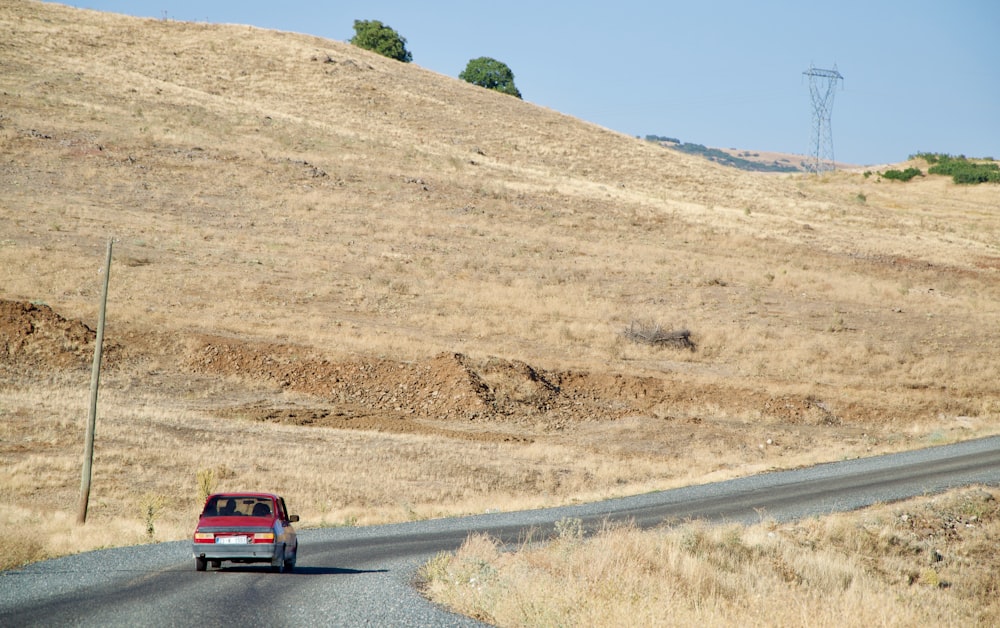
x=450, y=393
x=34, y=336
x=457, y=388
x=448, y=386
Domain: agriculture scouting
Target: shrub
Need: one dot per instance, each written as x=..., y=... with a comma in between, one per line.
x=962, y=170
x=656, y=335
x=902, y=175
x=931, y=158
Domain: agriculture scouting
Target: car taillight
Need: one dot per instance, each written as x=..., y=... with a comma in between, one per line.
x=204, y=537
x=263, y=537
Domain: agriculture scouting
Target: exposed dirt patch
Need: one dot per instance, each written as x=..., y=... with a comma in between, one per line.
x=34, y=336
x=510, y=395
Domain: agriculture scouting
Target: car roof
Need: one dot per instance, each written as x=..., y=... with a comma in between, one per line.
x=242, y=494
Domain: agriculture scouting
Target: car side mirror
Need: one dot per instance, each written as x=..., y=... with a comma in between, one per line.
x=293, y=518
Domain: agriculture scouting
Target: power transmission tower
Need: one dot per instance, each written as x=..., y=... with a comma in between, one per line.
x=821, y=88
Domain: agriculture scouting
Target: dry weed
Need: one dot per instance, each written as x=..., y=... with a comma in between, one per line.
x=915, y=563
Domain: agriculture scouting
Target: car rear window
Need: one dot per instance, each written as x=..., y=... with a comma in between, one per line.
x=238, y=505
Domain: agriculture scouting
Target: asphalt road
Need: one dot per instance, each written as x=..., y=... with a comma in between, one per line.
x=363, y=576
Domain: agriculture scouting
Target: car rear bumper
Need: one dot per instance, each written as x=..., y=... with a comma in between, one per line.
x=251, y=553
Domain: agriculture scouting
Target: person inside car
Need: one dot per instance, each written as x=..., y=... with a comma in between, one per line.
x=261, y=510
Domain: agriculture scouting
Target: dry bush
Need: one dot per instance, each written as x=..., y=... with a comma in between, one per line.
x=921, y=562
x=654, y=334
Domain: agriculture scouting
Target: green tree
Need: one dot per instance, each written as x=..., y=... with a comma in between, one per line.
x=491, y=74
x=377, y=37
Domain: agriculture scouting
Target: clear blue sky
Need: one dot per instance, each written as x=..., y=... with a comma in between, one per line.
x=920, y=75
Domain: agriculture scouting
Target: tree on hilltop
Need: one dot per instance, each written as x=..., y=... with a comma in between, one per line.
x=491, y=74
x=375, y=36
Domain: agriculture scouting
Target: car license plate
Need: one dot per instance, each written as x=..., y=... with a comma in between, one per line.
x=232, y=540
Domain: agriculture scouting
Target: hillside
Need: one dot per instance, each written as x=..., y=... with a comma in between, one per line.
x=388, y=294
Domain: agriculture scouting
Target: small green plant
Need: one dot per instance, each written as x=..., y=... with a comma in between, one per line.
x=151, y=505
x=861, y=198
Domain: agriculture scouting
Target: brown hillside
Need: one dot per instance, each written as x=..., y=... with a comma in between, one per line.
x=388, y=293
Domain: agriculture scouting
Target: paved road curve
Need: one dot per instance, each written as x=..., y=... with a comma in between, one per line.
x=362, y=576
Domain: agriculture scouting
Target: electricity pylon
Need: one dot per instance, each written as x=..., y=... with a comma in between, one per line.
x=821, y=88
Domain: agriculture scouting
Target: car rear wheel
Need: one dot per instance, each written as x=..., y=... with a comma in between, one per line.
x=278, y=563
x=200, y=564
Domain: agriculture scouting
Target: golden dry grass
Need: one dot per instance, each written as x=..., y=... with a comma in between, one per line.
x=919, y=563
x=282, y=190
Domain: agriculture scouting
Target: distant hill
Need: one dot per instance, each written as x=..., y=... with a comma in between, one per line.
x=750, y=160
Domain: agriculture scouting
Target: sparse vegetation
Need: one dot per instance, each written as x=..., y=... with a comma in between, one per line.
x=960, y=169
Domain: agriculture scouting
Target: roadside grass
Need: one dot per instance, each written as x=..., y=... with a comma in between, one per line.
x=926, y=561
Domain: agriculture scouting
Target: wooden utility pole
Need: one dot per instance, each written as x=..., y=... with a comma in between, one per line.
x=95, y=378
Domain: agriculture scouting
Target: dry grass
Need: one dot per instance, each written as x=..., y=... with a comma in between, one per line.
x=277, y=188
x=919, y=563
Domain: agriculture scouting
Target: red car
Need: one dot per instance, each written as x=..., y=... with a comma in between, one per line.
x=246, y=528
